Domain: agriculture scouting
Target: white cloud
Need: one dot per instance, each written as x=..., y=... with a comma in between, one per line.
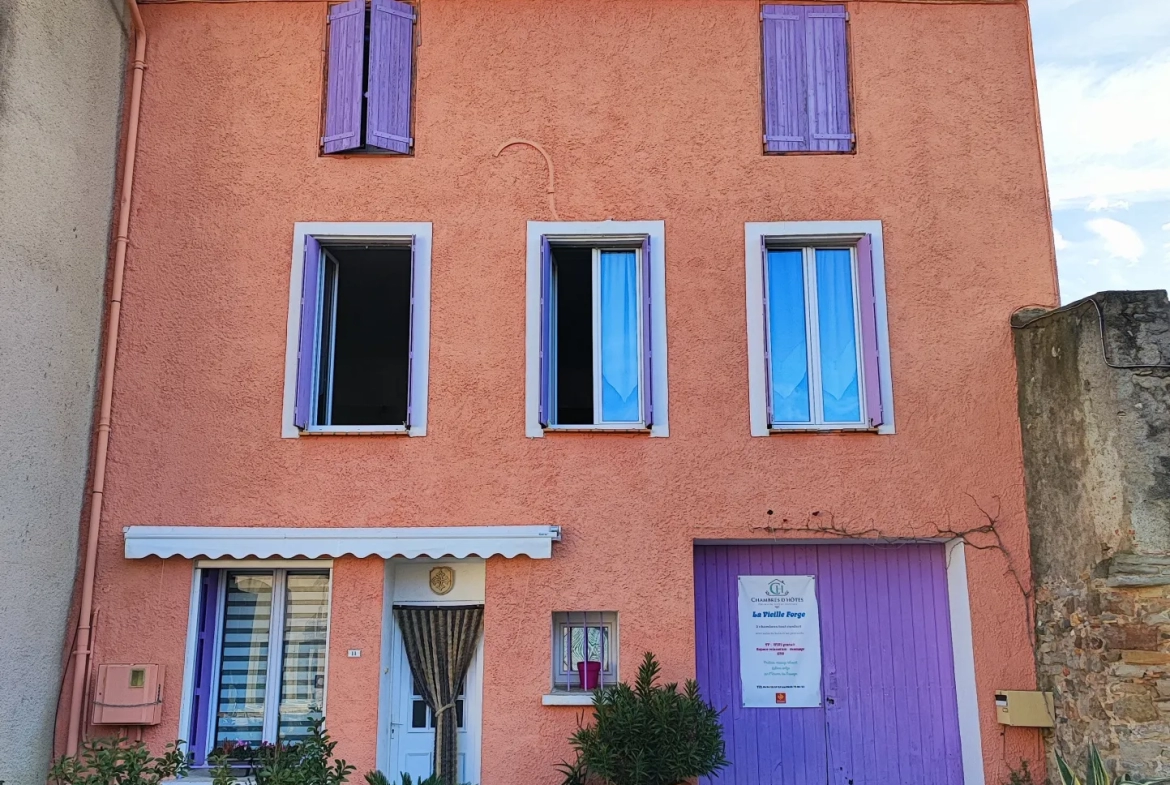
x=1101, y=204
x=1121, y=240
x=1166, y=226
x=1059, y=240
x=1104, y=132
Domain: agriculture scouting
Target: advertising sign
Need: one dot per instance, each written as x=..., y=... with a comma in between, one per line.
x=779, y=641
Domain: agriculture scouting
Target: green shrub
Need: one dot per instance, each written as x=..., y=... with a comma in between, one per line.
x=308, y=762
x=115, y=761
x=378, y=778
x=647, y=734
x=1097, y=775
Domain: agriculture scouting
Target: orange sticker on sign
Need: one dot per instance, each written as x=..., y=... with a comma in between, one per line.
x=782, y=697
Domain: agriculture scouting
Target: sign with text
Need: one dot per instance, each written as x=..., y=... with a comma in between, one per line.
x=779, y=641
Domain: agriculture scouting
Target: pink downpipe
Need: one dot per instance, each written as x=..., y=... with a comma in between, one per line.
x=81, y=650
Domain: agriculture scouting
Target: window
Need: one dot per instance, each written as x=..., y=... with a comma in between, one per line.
x=583, y=636
x=259, y=665
x=818, y=353
x=806, y=79
x=359, y=361
x=369, y=77
x=596, y=324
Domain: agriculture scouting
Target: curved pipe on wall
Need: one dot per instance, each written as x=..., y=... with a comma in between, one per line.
x=81, y=650
x=552, y=199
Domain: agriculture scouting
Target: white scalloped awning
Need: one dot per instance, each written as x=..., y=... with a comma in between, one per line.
x=217, y=542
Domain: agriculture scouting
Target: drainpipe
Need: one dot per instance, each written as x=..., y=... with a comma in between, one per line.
x=81, y=650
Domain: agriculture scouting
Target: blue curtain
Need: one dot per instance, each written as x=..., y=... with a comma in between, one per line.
x=620, y=369
x=837, y=331
x=788, y=341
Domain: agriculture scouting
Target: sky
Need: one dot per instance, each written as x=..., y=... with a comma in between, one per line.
x=1103, y=68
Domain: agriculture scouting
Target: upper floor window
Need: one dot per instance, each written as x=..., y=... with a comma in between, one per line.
x=359, y=362
x=598, y=323
x=806, y=79
x=369, y=77
x=817, y=327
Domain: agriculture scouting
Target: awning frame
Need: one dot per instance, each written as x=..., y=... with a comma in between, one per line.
x=265, y=542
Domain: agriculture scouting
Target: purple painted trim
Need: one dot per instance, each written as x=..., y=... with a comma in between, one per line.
x=828, y=79
x=647, y=353
x=870, y=353
x=343, y=88
x=785, y=106
x=202, y=695
x=545, y=332
x=307, y=344
x=410, y=332
x=389, y=75
x=767, y=328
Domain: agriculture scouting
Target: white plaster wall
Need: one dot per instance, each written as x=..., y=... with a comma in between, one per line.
x=62, y=68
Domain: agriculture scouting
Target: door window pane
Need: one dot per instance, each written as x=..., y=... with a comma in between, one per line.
x=838, y=336
x=788, y=342
x=244, y=659
x=306, y=622
x=620, y=370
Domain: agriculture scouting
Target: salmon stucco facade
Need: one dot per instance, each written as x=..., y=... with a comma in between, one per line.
x=522, y=335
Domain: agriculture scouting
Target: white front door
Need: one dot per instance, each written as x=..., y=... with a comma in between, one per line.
x=412, y=724
x=408, y=741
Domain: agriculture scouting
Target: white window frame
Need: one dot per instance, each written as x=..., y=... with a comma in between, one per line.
x=634, y=245
x=600, y=619
x=385, y=232
x=807, y=234
x=624, y=235
x=279, y=568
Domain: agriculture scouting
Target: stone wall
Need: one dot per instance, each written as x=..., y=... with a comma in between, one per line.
x=1094, y=398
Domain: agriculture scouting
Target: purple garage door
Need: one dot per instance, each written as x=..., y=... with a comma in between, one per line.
x=889, y=715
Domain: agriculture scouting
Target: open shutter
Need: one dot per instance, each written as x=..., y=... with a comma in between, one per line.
x=545, y=333
x=869, y=337
x=647, y=350
x=410, y=334
x=343, y=89
x=307, y=346
x=391, y=55
x=786, y=123
x=828, y=78
x=204, y=666
x=767, y=328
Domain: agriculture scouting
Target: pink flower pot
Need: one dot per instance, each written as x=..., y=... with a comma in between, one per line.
x=590, y=673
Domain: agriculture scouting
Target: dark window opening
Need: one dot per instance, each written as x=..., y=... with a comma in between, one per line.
x=365, y=336
x=573, y=306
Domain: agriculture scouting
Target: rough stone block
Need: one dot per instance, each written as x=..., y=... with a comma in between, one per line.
x=1146, y=657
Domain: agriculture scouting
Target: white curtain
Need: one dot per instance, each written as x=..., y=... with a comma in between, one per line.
x=620, y=367
x=788, y=342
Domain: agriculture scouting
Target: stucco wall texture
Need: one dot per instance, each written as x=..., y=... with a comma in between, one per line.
x=61, y=74
x=650, y=110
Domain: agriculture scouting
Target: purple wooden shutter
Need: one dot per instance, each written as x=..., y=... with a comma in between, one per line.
x=307, y=346
x=343, y=89
x=410, y=333
x=545, y=332
x=389, y=74
x=767, y=328
x=203, y=695
x=647, y=351
x=828, y=78
x=869, y=337
x=786, y=126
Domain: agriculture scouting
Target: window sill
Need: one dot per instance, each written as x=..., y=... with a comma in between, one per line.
x=597, y=429
x=567, y=699
x=356, y=430
x=821, y=429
